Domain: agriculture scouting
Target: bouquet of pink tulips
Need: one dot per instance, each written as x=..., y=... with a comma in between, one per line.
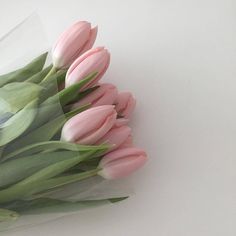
x=59, y=125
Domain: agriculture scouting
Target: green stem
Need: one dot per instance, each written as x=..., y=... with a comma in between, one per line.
x=51, y=72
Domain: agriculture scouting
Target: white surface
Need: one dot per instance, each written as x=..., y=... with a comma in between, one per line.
x=179, y=59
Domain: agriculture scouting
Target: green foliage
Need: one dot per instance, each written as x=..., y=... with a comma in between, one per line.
x=26, y=72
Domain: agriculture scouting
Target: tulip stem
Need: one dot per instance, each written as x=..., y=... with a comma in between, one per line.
x=51, y=72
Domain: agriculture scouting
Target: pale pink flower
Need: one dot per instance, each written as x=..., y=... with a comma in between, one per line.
x=73, y=42
x=89, y=126
x=122, y=162
x=125, y=104
x=94, y=60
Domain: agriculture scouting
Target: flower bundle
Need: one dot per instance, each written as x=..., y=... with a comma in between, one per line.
x=59, y=124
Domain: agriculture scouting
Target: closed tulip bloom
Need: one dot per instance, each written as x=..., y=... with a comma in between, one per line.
x=122, y=162
x=121, y=121
x=127, y=143
x=94, y=60
x=89, y=126
x=76, y=40
x=125, y=104
x=106, y=94
x=116, y=136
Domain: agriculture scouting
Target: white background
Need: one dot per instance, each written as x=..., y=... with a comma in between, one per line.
x=179, y=59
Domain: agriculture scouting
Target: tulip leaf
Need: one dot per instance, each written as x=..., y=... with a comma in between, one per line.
x=47, y=112
x=56, y=76
x=70, y=93
x=8, y=215
x=26, y=72
x=61, y=79
x=86, y=92
x=37, y=78
x=76, y=111
x=52, y=146
x=18, y=123
x=47, y=178
x=17, y=169
x=41, y=134
x=40, y=181
x=54, y=169
x=42, y=119
x=53, y=106
x=5, y=111
x=15, y=96
x=51, y=85
x=31, y=183
x=49, y=205
x=54, y=183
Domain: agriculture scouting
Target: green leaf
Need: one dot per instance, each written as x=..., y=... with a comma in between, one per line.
x=24, y=73
x=31, y=184
x=54, y=169
x=16, y=95
x=118, y=199
x=51, y=85
x=45, y=132
x=53, y=106
x=8, y=215
x=41, y=134
x=86, y=92
x=71, y=175
x=17, y=169
x=45, y=185
x=37, y=78
x=52, y=146
x=54, y=78
x=61, y=79
x=76, y=111
x=69, y=94
x=47, y=112
x=5, y=111
x=49, y=205
x=40, y=118
x=18, y=123
x=38, y=184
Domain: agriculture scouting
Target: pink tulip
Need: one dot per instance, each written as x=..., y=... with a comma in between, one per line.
x=89, y=126
x=94, y=60
x=122, y=162
x=115, y=136
x=121, y=121
x=125, y=104
x=72, y=43
x=106, y=94
x=127, y=143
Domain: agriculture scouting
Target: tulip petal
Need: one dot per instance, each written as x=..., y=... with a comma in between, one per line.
x=122, y=162
x=91, y=41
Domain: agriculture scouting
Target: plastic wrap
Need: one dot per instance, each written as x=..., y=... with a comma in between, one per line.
x=26, y=41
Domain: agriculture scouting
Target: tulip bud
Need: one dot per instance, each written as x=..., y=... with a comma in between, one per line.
x=106, y=94
x=116, y=136
x=94, y=60
x=121, y=121
x=72, y=43
x=127, y=143
x=89, y=126
x=122, y=162
x=125, y=104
